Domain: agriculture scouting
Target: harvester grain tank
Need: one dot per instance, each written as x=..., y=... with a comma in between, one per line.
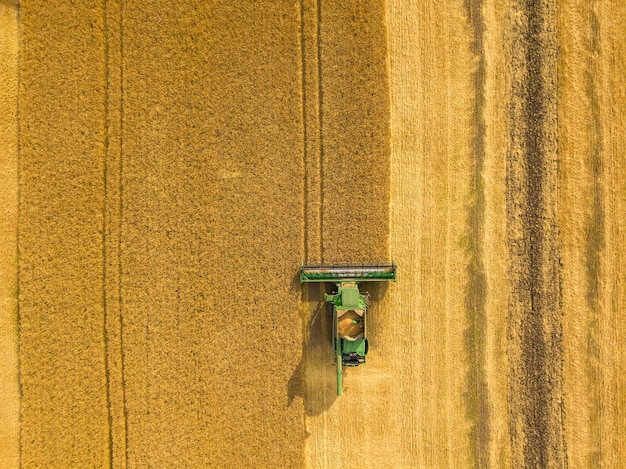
x=349, y=307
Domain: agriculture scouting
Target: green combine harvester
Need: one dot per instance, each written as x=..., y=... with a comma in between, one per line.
x=349, y=307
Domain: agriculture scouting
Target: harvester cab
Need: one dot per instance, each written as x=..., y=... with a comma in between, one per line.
x=349, y=307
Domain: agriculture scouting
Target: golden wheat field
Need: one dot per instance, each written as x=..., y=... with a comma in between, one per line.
x=167, y=166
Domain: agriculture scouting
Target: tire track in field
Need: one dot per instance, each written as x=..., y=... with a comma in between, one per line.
x=106, y=332
x=305, y=132
x=111, y=235
x=595, y=238
x=475, y=297
x=320, y=125
x=312, y=138
x=535, y=316
x=10, y=393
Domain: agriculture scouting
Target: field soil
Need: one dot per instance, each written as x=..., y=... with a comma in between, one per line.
x=168, y=166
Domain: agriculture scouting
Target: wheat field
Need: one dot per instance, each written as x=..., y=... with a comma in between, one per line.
x=166, y=167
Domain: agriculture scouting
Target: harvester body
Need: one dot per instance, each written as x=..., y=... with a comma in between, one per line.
x=349, y=308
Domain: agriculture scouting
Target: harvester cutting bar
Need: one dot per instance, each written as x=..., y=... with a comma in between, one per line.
x=337, y=273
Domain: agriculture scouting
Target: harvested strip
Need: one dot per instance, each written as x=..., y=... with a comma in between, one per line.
x=582, y=227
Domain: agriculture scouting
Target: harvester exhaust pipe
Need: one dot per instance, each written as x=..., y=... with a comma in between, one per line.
x=339, y=368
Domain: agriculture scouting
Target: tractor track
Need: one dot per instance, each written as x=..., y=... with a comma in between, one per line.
x=10, y=393
x=475, y=298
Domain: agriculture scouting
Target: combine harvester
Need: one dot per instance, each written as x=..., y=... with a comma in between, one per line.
x=349, y=307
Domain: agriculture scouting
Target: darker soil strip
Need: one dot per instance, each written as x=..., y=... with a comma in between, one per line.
x=477, y=398
x=535, y=316
x=536, y=373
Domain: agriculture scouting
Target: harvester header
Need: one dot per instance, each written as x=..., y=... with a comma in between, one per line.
x=356, y=273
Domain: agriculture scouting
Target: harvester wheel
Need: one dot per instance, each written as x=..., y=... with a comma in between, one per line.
x=329, y=308
x=366, y=346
